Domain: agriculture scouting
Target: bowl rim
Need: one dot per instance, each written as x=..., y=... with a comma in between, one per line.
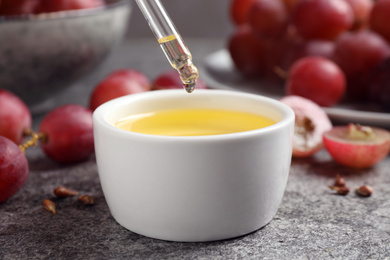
x=100, y=113
x=109, y=4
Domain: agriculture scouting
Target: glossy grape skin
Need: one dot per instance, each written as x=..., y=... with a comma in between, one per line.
x=268, y=18
x=248, y=52
x=360, y=51
x=19, y=7
x=170, y=79
x=239, y=11
x=69, y=134
x=357, y=53
x=15, y=116
x=13, y=168
x=322, y=19
x=318, y=79
x=48, y=6
x=380, y=18
x=118, y=83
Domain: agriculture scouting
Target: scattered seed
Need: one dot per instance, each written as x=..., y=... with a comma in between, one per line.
x=49, y=206
x=63, y=192
x=364, y=191
x=87, y=200
x=339, y=182
x=340, y=190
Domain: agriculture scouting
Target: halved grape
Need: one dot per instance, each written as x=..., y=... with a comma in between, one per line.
x=311, y=122
x=357, y=146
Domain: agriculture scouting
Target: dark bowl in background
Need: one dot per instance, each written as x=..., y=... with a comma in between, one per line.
x=45, y=53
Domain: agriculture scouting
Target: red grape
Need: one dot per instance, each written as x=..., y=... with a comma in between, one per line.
x=48, y=6
x=13, y=168
x=248, y=52
x=379, y=85
x=317, y=48
x=239, y=10
x=68, y=134
x=380, y=18
x=268, y=18
x=360, y=51
x=357, y=53
x=118, y=83
x=310, y=48
x=15, y=117
x=322, y=19
x=171, y=80
x=278, y=57
x=318, y=79
x=18, y=7
x=361, y=10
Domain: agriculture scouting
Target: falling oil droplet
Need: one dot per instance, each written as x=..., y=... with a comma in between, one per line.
x=189, y=87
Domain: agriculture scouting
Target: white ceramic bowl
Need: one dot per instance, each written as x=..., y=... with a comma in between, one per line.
x=193, y=188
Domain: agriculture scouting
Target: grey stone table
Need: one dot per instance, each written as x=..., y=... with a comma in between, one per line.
x=312, y=222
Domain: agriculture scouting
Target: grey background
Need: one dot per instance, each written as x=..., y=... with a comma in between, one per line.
x=196, y=18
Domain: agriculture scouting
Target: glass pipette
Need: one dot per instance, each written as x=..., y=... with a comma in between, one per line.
x=170, y=41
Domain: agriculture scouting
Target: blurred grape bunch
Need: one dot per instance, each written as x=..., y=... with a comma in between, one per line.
x=352, y=33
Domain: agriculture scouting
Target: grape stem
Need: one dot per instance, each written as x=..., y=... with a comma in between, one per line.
x=33, y=141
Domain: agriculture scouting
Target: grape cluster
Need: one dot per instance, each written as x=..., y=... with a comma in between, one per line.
x=350, y=39
x=26, y=7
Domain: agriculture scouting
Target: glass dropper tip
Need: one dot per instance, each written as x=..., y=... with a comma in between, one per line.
x=170, y=41
x=190, y=87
